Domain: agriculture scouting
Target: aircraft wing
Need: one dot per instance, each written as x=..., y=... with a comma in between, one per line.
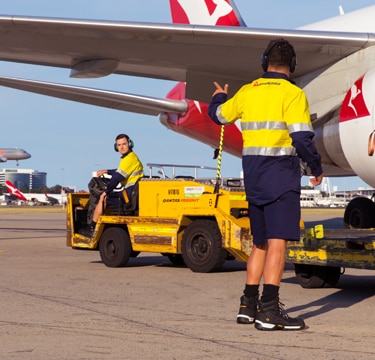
x=3, y=158
x=198, y=55
x=104, y=98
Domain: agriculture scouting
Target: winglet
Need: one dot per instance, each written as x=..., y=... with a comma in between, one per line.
x=200, y=12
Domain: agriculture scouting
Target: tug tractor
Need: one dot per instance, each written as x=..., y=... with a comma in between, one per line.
x=189, y=219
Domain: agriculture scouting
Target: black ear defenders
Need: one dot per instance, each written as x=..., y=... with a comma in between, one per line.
x=271, y=45
x=130, y=141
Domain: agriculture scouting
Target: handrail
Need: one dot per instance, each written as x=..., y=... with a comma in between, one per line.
x=174, y=166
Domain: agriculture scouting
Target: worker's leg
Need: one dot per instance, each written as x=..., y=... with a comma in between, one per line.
x=273, y=269
x=281, y=219
x=274, y=262
x=89, y=231
x=255, y=265
x=282, y=222
x=257, y=258
x=99, y=208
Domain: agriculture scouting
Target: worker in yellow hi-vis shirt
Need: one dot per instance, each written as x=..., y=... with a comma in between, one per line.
x=277, y=133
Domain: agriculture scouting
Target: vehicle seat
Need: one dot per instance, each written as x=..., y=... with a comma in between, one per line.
x=125, y=208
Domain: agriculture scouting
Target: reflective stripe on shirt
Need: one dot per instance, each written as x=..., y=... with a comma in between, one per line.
x=269, y=151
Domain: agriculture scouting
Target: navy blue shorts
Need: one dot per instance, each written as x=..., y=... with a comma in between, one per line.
x=279, y=219
x=117, y=198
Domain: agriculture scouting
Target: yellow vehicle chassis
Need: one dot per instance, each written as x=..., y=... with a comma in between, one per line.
x=321, y=255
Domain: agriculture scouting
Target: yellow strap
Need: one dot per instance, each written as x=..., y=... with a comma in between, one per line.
x=125, y=195
x=218, y=169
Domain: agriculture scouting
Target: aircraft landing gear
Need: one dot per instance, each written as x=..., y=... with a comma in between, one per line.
x=360, y=214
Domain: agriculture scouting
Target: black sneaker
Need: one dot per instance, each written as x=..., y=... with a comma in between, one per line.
x=248, y=310
x=272, y=316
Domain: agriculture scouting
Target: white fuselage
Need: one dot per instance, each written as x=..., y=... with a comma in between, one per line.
x=344, y=144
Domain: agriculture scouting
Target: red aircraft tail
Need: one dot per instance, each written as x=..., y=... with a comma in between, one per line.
x=205, y=12
x=195, y=122
x=14, y=191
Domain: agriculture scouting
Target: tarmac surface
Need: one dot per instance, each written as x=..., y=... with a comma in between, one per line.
x=60, y=303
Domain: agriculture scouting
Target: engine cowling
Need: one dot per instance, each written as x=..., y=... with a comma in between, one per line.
x=345, y=137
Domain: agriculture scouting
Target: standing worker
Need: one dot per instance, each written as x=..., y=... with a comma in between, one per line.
x=277, y=133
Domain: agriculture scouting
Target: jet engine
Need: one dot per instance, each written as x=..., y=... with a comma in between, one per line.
x=346, y=140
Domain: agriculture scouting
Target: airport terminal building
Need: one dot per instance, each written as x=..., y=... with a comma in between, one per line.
x=24, y=178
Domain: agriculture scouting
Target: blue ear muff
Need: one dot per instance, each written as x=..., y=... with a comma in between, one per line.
x=264, y=62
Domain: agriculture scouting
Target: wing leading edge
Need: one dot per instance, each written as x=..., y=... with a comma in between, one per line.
x=195, y=54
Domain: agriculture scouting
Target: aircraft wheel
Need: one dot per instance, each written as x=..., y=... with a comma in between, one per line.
x=313, y=276
x=115, y=247
x=201, y=246
x=360, y=214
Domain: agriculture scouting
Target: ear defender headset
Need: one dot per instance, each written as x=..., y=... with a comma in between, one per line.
x=271, y=45
x=130, y=141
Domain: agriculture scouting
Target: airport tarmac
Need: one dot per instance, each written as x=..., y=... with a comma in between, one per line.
x=60, y=303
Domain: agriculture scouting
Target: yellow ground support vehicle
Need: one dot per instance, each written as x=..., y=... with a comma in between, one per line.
x=182, y=218
x=321, y=254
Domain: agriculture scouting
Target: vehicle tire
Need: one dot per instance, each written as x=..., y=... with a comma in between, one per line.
x=360, y=214
x=115, y=247
x=201, y=246
x=314, y=276
x=332, y=276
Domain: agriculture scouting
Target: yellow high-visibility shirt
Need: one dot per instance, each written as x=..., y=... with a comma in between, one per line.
x=131, y=169
x=270, y=109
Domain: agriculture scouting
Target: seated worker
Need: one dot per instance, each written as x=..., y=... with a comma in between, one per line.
x=129, y=171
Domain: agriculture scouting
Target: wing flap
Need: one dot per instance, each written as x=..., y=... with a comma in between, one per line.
x=104, y=98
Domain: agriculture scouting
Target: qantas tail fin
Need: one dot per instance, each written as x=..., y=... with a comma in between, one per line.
x=14, y=191
x=203, y=12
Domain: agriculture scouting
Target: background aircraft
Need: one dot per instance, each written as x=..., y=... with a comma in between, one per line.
x=13, y=154
x=334, y=65
x=34, y=198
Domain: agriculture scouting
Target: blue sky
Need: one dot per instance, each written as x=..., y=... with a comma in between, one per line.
x=70, y=140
